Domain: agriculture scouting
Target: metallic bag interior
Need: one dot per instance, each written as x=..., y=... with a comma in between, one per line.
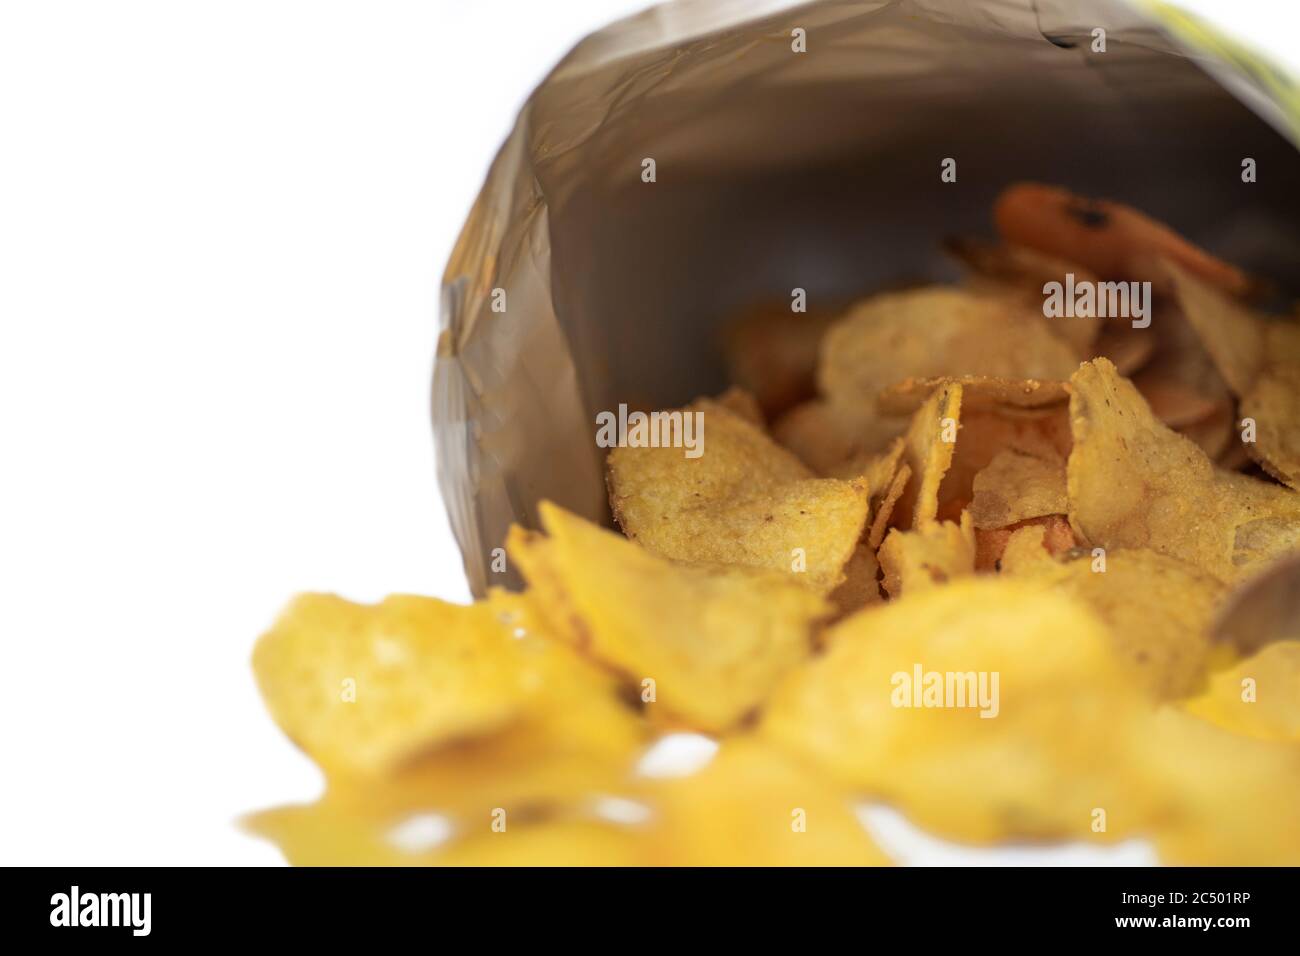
x=777, y=169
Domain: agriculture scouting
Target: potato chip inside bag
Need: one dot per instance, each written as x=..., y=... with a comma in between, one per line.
x=987, y=432
x=924, y=557
x=743, y=404
x=1001, y=269
x=937, y=331
x=927, y=450
x=834, y=438
x=1133, y=483
x=743, y=501
x=1259, y=358
x=1258, y=697
x=1015, y=486
x=884, y=510
x=707, y=644
x=986, y=709
x=979, y=392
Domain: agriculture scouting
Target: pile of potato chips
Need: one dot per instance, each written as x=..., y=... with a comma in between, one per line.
x=1015, y=575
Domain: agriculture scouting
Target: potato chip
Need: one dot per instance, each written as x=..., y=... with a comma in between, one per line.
x=1015, y=486
x=1025, y=547
x=1113, y=240
x=365, y=688
x=1133, y=483
x=897, y=705
x=930, y=555
x=978, y=392
x=1019, y=270
x=712, y=641
x=744, y=501
x=832, y=438
x=1259, y=697
x=772, y=352
x=937, y=332
x=927, y=450
x=755, y=806
x=1260, y=360
x=742, y=404
x=985, y=433
x=885, y=510
x=1159, y=611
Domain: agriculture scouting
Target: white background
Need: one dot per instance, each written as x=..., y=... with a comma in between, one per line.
x=222, y=226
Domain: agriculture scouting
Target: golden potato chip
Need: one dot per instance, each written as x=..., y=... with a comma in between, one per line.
x=834, y=438
x=755, y=806
x=1015, y=486
x=1024, y=549
x=1133, y=483
x=985, y=433
x=937, y=332
x=365, y=688
x=1273, y=405
x=885, y=510
x=1260, y=360
x=932, y=554
x=1228, y=800
x=1019, y=270
x=744, y=501
x=712, y=641
x=1259, y=697
x=772, y=352
x=1159, y=610
x=978, y=392
x=743, y=404
x=906, y=704
x=880, y=469
x=927, y=450
x=1113, y=240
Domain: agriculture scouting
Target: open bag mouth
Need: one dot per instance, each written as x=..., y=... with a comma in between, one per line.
x=777, y=170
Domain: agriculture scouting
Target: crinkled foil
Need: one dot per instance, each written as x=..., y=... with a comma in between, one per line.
x=575, y=285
